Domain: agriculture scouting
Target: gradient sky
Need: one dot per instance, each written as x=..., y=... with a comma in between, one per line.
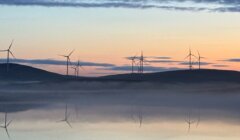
x=107, y=31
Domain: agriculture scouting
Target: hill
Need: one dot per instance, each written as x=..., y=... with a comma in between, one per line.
x=19, y=72
x=185, y=76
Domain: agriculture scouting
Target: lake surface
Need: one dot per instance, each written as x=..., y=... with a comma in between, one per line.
x=113, y=113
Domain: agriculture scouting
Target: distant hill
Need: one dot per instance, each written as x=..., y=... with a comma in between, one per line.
x=19, y=72
x=185, y=76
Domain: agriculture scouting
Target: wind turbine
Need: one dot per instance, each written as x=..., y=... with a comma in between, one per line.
x=6, y=124
x=199, y=59
x=133, y=61
x=189, y=122
x=75, y=70
x=68, y=59
x=79, y=66
x=66, y=117
x=190, y=55
x=9, y=52
x=141, y=63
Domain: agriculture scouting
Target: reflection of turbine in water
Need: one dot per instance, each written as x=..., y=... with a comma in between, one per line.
x=66, y=117
x=189, y=122
x=198, y=121
x=137, y=117
x=140, y=117
x=6, y=124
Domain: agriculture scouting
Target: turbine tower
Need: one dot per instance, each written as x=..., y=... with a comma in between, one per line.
x=6, y=124
x=9, y=52
x=190, y=55
x=68, y=59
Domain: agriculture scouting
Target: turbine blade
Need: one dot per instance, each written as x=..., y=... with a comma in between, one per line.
x=60, y=121
x=10, y=45
x=135, y=56
x=194, y=55
x=187, y=56
x=69, y=124
x=71, y=53
x=82, y=68
x=9, y=123
x=7, y=133
x=62, y=55
x=12, y=54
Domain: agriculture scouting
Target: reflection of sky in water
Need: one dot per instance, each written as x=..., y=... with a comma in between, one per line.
x=114, y=114
x=49, y=129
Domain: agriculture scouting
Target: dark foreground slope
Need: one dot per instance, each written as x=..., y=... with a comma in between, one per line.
x=19, y=72
x=185, y=76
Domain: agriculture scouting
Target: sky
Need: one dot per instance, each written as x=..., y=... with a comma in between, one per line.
x=104, y=33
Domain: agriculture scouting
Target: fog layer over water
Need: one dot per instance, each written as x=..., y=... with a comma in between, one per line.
x=121, y=110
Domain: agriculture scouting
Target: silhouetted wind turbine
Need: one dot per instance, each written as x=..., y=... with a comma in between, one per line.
x=75, y=70
x=199, y=60
x=141, y=63
x=68, y=59
x=189, y=122
x=79, y=66
x=9, y=52
x=66, y=117
x=133, y=61
x=190, y=55
x=6, y=124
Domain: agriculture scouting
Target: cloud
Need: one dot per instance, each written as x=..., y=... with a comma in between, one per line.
x=154, y=59
x=161, y=57
x=232, y=60
x=56, y=62
x=195, y=63
x=162, y=61
x=146, y=68
x=219, y=65
x=182, y=5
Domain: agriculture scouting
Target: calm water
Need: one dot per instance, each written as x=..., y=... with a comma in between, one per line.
x=117, y=114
